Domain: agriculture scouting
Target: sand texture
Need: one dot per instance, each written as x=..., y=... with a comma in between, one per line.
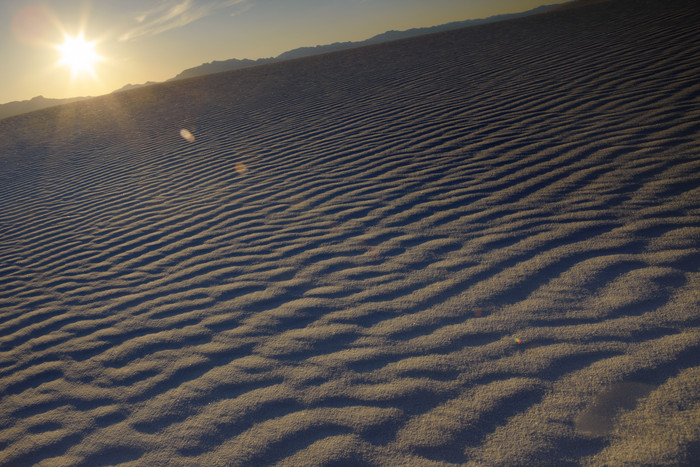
x=477, y=247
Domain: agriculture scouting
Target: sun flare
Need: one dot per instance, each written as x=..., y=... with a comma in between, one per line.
x=79, y=55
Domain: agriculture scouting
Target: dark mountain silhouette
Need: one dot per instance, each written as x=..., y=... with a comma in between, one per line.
x=234, y=63
x=36, y=103
x=129, y=86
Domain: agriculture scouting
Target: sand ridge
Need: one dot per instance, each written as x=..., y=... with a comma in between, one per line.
x=474, y=247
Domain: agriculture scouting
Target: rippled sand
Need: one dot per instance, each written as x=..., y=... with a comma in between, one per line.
x=475, y=247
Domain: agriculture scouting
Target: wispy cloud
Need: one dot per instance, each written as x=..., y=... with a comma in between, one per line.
x=171, y=14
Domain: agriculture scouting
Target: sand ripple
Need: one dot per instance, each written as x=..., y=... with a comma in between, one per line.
x=477, y=247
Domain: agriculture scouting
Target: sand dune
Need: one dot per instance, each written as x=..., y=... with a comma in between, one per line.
x=475, y=247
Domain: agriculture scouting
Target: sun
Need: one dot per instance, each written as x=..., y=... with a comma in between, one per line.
x=79, y=55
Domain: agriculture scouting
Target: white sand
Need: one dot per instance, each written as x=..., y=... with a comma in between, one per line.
x=476, y=247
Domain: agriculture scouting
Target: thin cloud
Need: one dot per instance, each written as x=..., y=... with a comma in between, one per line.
x=172, y=14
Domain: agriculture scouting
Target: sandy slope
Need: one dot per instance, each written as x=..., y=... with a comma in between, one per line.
x=473, y=247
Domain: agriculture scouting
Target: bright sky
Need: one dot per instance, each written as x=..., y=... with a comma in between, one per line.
x=134, y=41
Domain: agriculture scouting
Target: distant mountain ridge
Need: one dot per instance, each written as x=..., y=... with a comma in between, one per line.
x=126, y=87
x=19, y=107
x=35, y=103
x=234, y=64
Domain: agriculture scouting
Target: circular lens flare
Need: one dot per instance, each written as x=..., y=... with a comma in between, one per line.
x=32, y=25
x=187, y=135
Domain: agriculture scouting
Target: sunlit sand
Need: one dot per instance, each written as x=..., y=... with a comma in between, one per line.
x=475, y=247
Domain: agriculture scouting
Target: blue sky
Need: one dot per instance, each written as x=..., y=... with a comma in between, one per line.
x=153, y=40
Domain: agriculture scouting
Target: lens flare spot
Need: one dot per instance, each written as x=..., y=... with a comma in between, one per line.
x=32, y=25
x=187, y=135
x=240, y=167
